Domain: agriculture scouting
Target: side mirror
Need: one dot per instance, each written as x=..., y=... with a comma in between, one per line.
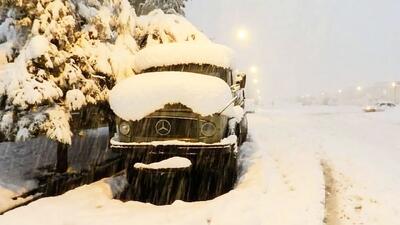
x=241, y=80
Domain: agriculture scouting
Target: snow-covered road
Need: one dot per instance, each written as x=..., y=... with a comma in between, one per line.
x=360, y=153
x=294, y=151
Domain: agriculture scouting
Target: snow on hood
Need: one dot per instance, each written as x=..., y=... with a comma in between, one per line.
x=140, y=95
x=183, y=53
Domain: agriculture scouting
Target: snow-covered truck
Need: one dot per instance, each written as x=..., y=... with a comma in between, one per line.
x=185, y=102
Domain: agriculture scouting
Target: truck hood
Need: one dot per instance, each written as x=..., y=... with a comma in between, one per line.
x=140, y=95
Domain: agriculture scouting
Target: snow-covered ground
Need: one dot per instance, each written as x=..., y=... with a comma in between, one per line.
x=303, y=164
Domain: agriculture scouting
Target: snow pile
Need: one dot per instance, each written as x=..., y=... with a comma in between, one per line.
x=183, y=53
x=138, y=96
x=171, y=163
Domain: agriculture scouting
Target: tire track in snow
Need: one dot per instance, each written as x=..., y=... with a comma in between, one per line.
x=331, y=198
x=344, y=204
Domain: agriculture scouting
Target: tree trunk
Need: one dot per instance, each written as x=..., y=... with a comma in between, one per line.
x=62, y=158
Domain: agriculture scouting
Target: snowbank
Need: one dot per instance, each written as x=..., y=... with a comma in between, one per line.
x=138, y=96
x=174, y=162
x=183, y=53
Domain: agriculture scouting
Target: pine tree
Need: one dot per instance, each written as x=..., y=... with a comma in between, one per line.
x=59, y=56
x=144, y=7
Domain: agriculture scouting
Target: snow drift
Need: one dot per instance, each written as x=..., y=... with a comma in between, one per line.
x=183, y=53
x=138, y=96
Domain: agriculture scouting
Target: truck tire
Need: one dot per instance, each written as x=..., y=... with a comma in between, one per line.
x=243, y=129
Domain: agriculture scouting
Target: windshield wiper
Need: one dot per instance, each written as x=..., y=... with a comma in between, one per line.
x=229, y=104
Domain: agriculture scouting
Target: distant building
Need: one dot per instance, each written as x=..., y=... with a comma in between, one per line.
x=357, y=95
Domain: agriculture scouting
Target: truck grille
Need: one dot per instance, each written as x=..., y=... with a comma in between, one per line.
x=165, y=128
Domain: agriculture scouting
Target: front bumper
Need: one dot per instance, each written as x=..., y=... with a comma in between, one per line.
x=197, y=153
x=174, y=150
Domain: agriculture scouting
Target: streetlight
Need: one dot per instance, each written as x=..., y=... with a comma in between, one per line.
x=242, y=34
x=253, y=69
x=359, y=88
x=340, y=91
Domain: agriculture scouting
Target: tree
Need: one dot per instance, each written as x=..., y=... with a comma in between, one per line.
x=59, y=56
x=160, y=28
x=144, y=7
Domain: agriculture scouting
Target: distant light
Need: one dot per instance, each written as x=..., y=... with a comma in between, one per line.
x=258, y=91
x=322, y=93
x=359, y=88
x=255, y=81
x=242, y=34
x=340, y=91
x=253, y=69
x=394, y=84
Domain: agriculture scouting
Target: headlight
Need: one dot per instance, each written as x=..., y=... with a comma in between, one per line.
x=124, y=128
x=208, y=129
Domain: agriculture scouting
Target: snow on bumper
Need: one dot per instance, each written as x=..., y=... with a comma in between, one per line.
x=177, y=148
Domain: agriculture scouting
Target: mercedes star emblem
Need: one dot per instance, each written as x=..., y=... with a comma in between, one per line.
x=163, y=127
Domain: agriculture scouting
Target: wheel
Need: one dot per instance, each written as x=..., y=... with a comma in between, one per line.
x=244, y=128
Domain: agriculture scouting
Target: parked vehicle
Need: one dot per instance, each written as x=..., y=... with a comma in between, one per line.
x=210, y=142
x=379, y=107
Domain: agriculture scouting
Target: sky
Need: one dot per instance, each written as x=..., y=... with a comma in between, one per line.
x=306, y=46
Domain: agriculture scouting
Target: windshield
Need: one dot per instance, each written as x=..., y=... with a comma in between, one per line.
x=224, y=74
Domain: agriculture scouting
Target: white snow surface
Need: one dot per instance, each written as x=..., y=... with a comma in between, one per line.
x=140, y=95
x=37, y=46
x=183, y=53
x=282, y=180
x=75, y=99
x=174, y=162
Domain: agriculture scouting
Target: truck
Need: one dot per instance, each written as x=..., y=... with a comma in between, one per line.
x=184, y=78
